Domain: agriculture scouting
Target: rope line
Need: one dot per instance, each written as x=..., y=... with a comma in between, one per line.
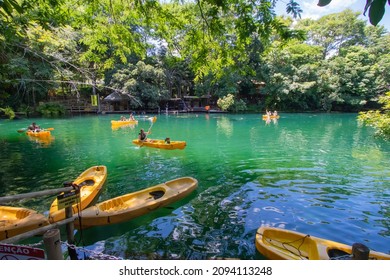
x=289, y=243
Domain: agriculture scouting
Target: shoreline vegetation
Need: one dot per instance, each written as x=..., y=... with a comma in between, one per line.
x=76, y=59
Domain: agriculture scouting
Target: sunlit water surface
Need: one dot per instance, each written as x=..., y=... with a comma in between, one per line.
x=321, y=174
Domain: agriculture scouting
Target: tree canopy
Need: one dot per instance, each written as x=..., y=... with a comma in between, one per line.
x=238, y=51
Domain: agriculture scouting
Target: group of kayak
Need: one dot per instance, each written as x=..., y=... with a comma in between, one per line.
x=87, y=212
x=273, y=243
x=39, y=133
x=144, y=140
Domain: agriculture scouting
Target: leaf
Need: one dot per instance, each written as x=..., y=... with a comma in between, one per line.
x=368, y=4
x=323, y=3
x=376, y=12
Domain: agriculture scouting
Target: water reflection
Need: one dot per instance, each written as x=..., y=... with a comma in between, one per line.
x=42, y=141
x=225, y=126
x=126, y=126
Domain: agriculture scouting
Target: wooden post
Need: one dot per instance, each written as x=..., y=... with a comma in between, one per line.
x=69, y=232
x=52, y=244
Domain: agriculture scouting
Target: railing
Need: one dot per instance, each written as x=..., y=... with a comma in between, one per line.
x=51, y=232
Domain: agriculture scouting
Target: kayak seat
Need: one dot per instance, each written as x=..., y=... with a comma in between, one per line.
x=20, y=214
x=88, y=182
x=338, y=254
x=157, y=194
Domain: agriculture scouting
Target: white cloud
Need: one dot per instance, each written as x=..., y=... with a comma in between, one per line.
x=312, y=10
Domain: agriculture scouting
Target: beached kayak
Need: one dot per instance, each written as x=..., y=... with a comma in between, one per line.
x=91, y=183
x=282, y=244
x=17, y=220
x=129, y=206
x=160, y=144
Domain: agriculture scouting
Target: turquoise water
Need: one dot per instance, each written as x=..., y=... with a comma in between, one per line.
x=320, y=174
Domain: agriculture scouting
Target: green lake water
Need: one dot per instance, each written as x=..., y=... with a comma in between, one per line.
x=320, y=174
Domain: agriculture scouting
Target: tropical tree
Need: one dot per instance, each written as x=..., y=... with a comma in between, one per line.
x=334, y=32
x=144, y=83
x=291, y=75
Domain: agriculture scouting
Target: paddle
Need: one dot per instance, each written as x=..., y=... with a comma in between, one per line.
x=24, y=129
x=154, y=119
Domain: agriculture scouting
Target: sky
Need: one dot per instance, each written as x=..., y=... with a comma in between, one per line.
x=311, y=10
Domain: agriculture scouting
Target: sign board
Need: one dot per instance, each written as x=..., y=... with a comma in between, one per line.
x=16, y=252
x=68, y=199
x=94, y=100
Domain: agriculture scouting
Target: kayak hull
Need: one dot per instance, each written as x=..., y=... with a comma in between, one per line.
x=270, y=117
x=132, y=205
x=39, y=134
x=161, y=144
x=91, y=181
x=282, y=244
x=126, y=122
x=17, y=220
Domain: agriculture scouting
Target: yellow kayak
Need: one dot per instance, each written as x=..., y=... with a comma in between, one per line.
x=125, y=122
x=160, y=144
x=39, y=134
x=270, y=117
x=91, y=182
x=282, y=244
x=129, y=206
x=17, y=220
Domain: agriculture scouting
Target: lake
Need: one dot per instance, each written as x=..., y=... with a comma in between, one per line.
x=320, y=174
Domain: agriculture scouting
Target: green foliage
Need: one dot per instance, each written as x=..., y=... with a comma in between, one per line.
x=226, y=102
x=239, y=106
x=8, y=111
x=379, y=119
x=143, y=81
x=334, y=31
x=229, y=103
x=151, y=51
x=51, y=109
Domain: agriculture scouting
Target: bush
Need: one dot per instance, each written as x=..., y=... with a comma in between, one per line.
x=8, y=112
x=380, y=120
x=51, y=109
x=228, y=103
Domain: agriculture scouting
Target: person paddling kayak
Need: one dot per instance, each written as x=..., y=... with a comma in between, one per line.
x=142, y=135
x=34, y=127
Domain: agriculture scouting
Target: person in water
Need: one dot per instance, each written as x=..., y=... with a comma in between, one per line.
x=34, y=127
